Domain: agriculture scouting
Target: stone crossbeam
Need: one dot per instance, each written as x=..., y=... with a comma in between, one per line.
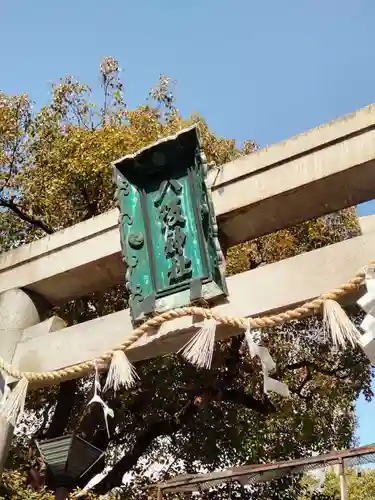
x=320, y=171
x=267, y=289
x=367, y=223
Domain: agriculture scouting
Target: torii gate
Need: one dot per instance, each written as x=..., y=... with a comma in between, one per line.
x=318, y=172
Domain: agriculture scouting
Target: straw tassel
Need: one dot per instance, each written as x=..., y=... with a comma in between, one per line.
x=14, y=404
x=121, y=372
x=200, y=348
x=342, y=329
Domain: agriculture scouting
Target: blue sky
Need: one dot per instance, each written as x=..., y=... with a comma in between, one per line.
x=261, y=70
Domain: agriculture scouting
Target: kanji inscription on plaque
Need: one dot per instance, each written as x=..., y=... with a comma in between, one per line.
x=169, y=235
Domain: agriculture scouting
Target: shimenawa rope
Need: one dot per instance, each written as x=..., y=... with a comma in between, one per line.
x=240, y=322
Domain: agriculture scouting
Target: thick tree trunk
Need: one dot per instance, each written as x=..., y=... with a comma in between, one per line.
x=65, y=402
x=161, y=428
x=169, y=427
x=61, y=494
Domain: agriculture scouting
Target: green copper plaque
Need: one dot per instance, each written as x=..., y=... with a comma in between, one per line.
x=169, y=235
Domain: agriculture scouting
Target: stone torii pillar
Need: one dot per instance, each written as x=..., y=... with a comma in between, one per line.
x=17, y=312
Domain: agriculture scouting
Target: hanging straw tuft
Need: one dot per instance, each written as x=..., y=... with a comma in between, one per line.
x=342, y=329
x=14, y=404
x=121, y=372
x=200, y=348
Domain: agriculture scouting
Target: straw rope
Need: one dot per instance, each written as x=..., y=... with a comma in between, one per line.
x=298, y=313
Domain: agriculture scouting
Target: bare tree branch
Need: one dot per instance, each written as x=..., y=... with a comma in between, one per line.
x=144, y=439
x=169, y=427
x=241, y=398
x=37, y=223
x=317, y=368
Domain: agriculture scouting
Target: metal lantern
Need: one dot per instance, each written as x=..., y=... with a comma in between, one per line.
x=68, y=458
x=169, y=235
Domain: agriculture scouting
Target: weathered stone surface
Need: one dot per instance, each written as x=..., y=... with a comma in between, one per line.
x=317, y=172
x=267, y=289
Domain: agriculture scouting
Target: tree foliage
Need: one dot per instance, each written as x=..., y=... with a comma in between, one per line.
x=55, y=172
x=360, y=485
